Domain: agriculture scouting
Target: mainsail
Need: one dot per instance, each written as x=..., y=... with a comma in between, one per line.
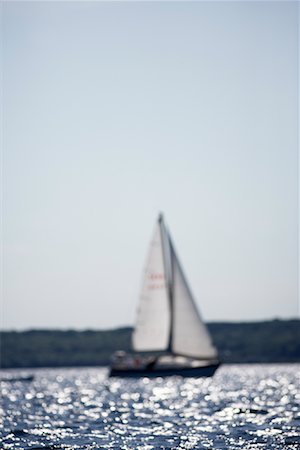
x=153, y=316
x=167, y=318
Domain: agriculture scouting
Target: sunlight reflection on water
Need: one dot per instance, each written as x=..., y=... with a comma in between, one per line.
x=241, y=407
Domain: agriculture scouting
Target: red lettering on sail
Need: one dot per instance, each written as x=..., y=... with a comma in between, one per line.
x=156, y=276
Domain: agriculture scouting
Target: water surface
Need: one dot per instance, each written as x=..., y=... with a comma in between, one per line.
x=241, y=407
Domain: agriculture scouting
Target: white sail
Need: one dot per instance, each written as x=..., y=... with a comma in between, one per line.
x=167, y=317
x=152, y=330
x=190, y=336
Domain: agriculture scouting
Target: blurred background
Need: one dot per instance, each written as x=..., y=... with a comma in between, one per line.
x=113, y=112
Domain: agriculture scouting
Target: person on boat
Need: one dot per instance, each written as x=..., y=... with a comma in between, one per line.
x=118, y=359
x=152, y=360
x=137, y=361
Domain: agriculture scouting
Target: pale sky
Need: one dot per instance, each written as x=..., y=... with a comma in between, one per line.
x=115, y=111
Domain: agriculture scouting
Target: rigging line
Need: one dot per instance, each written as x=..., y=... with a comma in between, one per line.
x=166, y=251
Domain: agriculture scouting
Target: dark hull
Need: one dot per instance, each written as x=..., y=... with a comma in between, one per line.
x=28, y=378
x=200, y=371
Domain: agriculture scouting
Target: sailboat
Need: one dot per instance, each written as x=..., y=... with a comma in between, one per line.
x=169, y=337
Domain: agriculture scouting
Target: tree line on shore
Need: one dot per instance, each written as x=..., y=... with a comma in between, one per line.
x=263, y=342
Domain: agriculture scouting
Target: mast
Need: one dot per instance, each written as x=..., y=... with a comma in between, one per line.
x=168, y=274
